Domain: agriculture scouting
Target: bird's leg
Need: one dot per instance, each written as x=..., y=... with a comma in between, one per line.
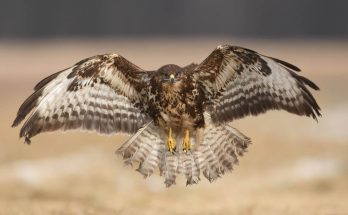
x=186, y=143
x=171, y=142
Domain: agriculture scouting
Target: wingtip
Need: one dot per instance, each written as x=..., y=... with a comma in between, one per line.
x=27, y=141
x=287, y=64
x=16, y=122
x=309, y=83
x=316, y=114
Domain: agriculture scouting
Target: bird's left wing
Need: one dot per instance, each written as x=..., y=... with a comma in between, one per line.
x=237, y=82
x=101, y=93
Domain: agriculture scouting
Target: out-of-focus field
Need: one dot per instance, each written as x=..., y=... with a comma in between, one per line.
x=294, y=166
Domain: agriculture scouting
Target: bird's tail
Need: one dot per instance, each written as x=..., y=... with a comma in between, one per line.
x=217, y=153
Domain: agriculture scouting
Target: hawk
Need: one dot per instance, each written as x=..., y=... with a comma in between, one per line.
x=179, y=116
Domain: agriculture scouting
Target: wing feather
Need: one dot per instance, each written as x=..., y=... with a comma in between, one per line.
x=101, y=94
x=238, y=82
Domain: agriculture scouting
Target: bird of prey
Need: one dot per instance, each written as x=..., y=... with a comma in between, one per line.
x=179, y=116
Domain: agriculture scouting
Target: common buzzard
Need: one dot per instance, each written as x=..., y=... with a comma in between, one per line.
x=178, y=115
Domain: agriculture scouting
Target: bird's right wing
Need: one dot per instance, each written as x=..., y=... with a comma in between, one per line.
x=101, y=93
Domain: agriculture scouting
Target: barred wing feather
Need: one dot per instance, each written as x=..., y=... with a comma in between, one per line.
x=100, y=94
x=238, y=82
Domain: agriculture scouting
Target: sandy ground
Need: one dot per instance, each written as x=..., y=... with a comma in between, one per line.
x=294, y=166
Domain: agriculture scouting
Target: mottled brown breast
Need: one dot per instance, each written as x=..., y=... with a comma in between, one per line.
x=177, y=104
x=179, y=107
x=172, y=106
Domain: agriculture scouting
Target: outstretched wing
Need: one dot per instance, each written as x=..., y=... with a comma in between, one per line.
x=101, y=93
x=238, y=82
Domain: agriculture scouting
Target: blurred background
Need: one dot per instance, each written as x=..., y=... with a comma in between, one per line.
x=294, y=166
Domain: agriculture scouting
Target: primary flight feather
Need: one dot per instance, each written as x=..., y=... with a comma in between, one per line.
x=178, y=116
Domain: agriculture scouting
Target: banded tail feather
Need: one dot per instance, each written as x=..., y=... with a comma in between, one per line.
x=217, y=154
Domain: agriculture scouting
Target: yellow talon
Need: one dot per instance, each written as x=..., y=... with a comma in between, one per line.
x=186, y=144
x=171, y=142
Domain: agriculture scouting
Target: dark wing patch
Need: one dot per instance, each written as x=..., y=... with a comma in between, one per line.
x=98, y=94
x=240, y=82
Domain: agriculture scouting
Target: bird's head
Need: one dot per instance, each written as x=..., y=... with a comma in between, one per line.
x=169, y=73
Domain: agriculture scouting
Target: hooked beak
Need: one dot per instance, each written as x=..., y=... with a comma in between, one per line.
x=172, y=78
